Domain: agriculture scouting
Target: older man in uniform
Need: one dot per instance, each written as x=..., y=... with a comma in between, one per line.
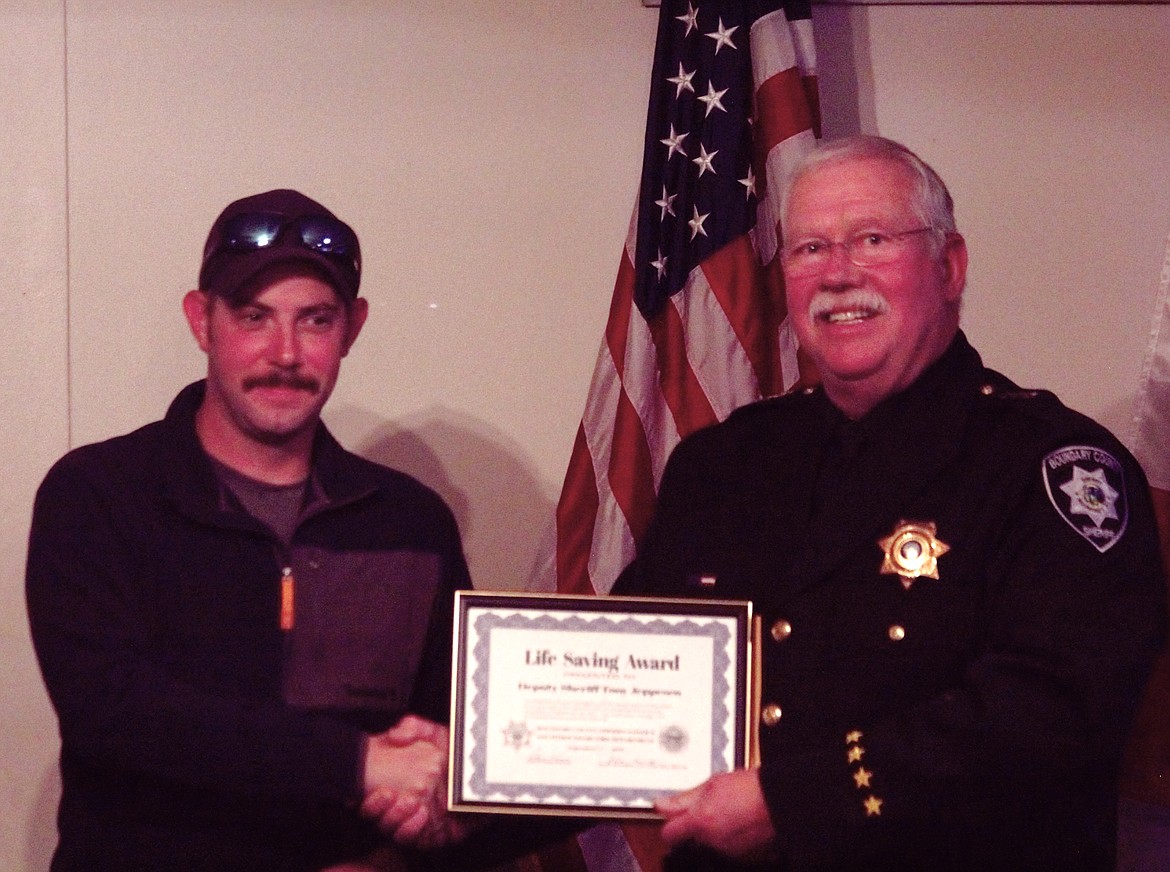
x=959, y=580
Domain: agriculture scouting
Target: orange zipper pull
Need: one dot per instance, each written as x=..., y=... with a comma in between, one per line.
x=287, y=599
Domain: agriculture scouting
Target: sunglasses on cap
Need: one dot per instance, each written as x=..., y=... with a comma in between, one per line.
x=322, y=234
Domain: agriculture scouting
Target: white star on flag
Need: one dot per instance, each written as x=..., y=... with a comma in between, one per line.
x=713, y=98
x=690, y=18
x=682, y=81
x=667, y=203
x=704, y=160
x=673, y=143
x=696, y=223
x=722, y=36
x=749, y=183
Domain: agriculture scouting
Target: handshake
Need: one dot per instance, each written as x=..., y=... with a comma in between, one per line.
x=405, y=785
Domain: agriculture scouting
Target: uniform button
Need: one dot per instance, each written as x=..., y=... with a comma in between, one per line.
x=897, y=633
x=987, y=390
x=770, y=714
x=781, y=630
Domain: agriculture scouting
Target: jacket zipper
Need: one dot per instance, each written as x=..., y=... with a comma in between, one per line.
x=288, y=587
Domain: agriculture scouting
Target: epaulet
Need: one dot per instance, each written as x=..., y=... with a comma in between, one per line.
x=1001, y=396
x=793, y=395
x=1002, y=388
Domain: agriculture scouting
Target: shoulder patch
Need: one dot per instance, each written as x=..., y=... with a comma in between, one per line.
x=1086, y=486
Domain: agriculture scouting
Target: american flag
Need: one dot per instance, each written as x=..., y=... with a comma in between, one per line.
x=696, y=327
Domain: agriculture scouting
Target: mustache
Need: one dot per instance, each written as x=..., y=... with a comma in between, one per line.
x=283, y=380
x=826, y=302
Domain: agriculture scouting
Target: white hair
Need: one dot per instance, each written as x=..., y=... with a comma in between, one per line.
x=930, y=200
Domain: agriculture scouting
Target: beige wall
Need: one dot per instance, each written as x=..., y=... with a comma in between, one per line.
x=33, y=396
x=487, y=154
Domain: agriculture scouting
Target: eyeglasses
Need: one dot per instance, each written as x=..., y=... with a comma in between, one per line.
x=865, y=248
x=329, y=237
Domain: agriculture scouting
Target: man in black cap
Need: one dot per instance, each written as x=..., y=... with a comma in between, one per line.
x=238, y=621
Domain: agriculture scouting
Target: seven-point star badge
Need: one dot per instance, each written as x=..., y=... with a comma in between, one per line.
x=912, y=551
x=1090, y=494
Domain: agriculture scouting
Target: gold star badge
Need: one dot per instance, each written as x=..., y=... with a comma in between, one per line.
x=912, y=551
x=855, y=753
x=862, y=776
x=853, y=737
x=873, y=807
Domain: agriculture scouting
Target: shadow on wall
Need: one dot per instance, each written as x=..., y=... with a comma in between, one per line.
x=844, y=70
x=505, y=514
x=42, y=824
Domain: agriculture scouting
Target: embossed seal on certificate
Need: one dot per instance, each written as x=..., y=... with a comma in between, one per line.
x=673, y=739
x=912, y=551
x=517, y=734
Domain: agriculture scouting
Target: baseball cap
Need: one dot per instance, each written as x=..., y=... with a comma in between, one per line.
x=278, y=226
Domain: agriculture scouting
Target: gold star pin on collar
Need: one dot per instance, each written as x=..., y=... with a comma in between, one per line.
x=912, y=551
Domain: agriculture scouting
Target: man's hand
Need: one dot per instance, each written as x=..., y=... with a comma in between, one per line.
x=406, y=784
x=726, y=812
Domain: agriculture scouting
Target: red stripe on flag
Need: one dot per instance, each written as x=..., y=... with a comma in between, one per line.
x=578, y=500
x=617, y=329
x=772, y=382
x=782, y=111
x=630, y=473
x=681, y=390
x=630, y=476
x=738, y=283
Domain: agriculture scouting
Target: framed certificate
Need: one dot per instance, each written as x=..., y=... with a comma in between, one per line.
x=594, y=706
